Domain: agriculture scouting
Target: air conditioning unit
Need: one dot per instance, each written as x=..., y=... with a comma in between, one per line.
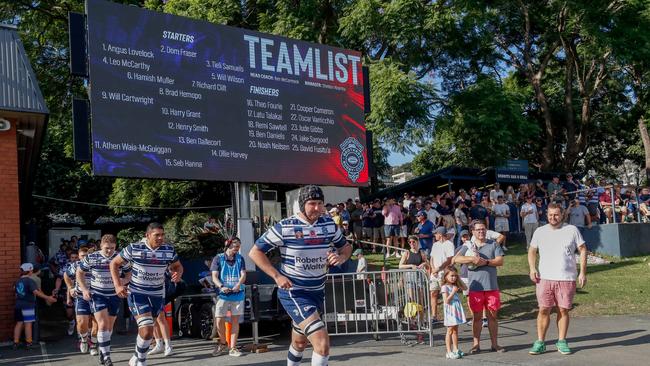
x=5, y=125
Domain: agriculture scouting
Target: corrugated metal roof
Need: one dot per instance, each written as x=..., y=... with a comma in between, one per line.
x=19, y=89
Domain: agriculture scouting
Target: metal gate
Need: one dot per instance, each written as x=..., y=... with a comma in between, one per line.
x=382, y=302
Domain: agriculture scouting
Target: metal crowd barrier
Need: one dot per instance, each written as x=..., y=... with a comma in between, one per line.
x=378, y=303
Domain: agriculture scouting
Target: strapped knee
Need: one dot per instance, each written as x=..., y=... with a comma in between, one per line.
x=314, y=326
x=145, y=321
x=297, y=329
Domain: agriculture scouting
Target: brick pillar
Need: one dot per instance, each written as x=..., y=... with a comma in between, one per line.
x=9, y=228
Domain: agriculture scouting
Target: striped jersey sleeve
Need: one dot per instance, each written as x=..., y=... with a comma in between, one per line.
x=101, y=282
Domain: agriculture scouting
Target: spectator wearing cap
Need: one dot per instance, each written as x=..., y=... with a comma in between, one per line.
x=367, y=223
x=392, y=225
x=362, y=263
x=334, y=214
x=26, y=291
x=440, y=258
x=424, y=231
x=529, y=217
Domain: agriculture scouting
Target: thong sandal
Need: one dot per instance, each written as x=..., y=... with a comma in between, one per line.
x=474, y=350
x=498, y=349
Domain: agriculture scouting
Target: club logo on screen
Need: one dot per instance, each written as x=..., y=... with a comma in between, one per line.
x=352, y=157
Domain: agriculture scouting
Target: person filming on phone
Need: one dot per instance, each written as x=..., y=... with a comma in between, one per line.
x=555, y=281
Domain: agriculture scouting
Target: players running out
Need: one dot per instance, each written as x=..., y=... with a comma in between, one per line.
x=149, y=259
x=101, y=292
x=308, y=244
x=82, y=309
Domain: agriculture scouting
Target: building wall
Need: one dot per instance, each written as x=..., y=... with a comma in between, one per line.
x=9, y=228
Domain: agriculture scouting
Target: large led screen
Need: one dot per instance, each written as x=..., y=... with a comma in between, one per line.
x=173, y=97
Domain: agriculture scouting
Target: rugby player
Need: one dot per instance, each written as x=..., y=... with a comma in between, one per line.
x=81, y=306
x=149, y=259
x=308, y=244
x=101, y=294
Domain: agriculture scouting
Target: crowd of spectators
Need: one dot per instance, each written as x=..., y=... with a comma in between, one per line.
x=518, y=208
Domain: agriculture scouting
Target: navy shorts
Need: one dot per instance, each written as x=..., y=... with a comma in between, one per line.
x=392, y=230
x=141, y=304
x=81, y=306
x=25, y=315
x=301, y=304
x=101, y=302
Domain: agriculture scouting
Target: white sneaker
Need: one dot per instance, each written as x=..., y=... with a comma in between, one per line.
x=398, y=255
x=133, y=361
x=387, y=255
x=71, y=327
x=452, y=355
x=168, y=351
x=83, y=346
x=156, y=350
x=94, y=351
x=234, y=352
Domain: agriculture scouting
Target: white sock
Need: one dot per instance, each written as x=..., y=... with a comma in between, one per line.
x=293, y=357
x=104, y=342
x=319, y=360
x=83, y=336
x=141, y=349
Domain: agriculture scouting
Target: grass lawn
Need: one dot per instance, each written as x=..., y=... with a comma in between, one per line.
x=621, y=287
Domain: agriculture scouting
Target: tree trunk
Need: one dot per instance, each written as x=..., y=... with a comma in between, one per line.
x=643, y=130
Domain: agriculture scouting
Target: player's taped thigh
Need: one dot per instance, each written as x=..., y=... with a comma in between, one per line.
x=145, y=321
x=314, y=327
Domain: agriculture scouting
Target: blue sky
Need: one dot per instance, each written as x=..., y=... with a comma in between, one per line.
x=396, y=159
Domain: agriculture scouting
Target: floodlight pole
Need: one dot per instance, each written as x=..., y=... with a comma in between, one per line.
x=245, y=230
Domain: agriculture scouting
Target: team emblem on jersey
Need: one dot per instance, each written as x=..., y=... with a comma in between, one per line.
x=298, y=233
x=352, y=157
x=312, y=233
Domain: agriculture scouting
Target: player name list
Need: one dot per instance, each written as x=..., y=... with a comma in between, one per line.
x=183, y=105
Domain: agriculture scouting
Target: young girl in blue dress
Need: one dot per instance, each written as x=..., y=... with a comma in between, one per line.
x=451, y=288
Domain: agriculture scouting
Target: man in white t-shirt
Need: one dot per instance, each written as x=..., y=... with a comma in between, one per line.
x=495, y=193
x=440, y=258
x=501, y=212
x=528, y=214
x=556, y=279
x=432, y=214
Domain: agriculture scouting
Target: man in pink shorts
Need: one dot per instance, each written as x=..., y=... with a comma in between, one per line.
x=482, y=257
x=555, y=281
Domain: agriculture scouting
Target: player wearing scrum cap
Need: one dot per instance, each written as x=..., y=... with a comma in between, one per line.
x=150, y=258
x=309, y=242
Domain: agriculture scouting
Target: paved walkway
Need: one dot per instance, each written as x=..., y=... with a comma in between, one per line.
x=617, y=340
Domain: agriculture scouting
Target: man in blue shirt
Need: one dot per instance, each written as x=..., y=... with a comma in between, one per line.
x=309, y=244
x=229, y=275
x=424, y=231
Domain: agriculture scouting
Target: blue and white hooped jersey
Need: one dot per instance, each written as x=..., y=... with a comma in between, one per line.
x=303, y=248
x=148, y=267
x=101, y=282
x=71, y=270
